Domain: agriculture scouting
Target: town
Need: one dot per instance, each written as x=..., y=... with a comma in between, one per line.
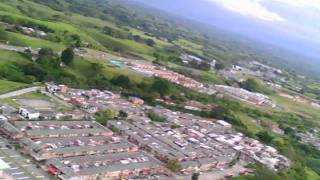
x=146, y=142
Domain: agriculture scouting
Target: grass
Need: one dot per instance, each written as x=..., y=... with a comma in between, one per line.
x=297, y=107
x=158, y=42
x=249, y=122
x=210, y=77
x=7, y=86
x=190, y=46
x=125, y=45
x=33, y=95
x=8, y=57
x=110, y=71
x=27, y=41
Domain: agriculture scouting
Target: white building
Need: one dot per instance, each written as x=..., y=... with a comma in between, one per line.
x=224, y=124
x=29, y=113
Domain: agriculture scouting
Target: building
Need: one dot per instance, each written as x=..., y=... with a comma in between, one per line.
x=84, y=150
x=29, y=113
x=224, y=124
x=136, y=100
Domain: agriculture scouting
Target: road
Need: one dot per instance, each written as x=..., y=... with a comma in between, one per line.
x=217, y=174
x=19, y=92
x=17, y=48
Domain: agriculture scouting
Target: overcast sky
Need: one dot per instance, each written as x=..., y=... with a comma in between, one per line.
x=292, y=24
x=299, y=17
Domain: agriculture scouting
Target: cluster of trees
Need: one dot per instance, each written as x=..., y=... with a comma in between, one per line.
x=148, y=41
x=155, y=117
x=174, y=165
x=103, y=116
x=47, y=67
x=252, y=85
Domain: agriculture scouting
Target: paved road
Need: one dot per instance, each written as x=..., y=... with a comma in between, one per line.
x=19, y=92
x=219, y=174
x=16, y=48
x=216, y=174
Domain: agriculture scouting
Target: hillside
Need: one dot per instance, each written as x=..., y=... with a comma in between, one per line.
x=106, y=44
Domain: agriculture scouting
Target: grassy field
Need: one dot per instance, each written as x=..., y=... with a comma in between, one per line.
x=190, y=46
x=8, y=57
x=34, y=95
x=249, y=122
x=297, y=107
x=27, y=41
x=211, y=77
x=7, y=86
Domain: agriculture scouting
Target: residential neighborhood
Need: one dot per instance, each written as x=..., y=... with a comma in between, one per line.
x=133, y=147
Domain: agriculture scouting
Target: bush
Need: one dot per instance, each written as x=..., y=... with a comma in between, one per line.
x=155, y=117
x=67, y=56
x=265, y=137
x=122, y=81
x=163, y=87
x=174, y=165
x=102, y=117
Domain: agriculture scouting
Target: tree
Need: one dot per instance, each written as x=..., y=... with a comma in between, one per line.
x=250, y=85
x=103, y=116
x=219, y=66
x=3, y=34
x=155, y=117
x=67, y=56
x=195, y=176
x=48, y=59
x=174, y=165
x=150, y=42
x=137, y=38
x=121, y=80
x=123, y=114
x=97, y=68
x=265, y=137
x=161, y=86
x=46, y=52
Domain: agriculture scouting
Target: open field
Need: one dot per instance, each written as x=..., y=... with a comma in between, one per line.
x=190, y=46
x=297, y=107
x=7, y=86
x=35, y=100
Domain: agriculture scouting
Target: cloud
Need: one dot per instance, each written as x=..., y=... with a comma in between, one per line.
x=252, y=8
x=301, y=3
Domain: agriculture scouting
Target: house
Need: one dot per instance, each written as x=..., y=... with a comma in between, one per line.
x=63, y=88
x=136, y=100
x=28, y=113
x=224, y=124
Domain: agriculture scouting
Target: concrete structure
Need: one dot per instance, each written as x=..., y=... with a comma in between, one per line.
x=84, y=150
x=28, y=113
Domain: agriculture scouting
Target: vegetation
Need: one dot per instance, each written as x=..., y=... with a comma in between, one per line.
x=107, y=26
x=252, y=85
x=265, y=137
x=7, y=86
x=174, y=165
x=67, y=56
x=163, y=87
x=155, y=117
x=103, y=116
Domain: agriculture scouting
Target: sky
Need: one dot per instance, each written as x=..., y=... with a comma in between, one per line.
x=298, y=17
x=292, y=24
